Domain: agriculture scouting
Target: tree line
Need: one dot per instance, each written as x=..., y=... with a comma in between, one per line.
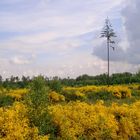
x=83, y=80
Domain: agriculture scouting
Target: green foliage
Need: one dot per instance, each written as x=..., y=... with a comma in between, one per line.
x=55, y=85
x=136, y=93
x=6, y=100
x=73, y=95
x=37, y=102
x=101, y=95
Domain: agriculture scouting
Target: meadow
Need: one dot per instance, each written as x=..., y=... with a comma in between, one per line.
x=40, y=112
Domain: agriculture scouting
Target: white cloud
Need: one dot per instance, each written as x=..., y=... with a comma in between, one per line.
x=61, y=34
x=61, y=15
x=20, y=60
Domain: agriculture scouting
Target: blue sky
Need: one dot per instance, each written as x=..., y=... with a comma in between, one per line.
x=61, y=37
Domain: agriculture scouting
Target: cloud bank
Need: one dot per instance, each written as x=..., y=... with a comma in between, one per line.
x=62, y=37
x=127, y=44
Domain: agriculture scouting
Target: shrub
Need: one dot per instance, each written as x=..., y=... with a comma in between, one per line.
x=125, y=92
x=54, y=97
x=55, y=85
x=14, y=124
x=5, y=100
x=120, y=91
x=18, y=94
x=79, y=120
x=37, y=103
x=72, y=95
x=100, y=95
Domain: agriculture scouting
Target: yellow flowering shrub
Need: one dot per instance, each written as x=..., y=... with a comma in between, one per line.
x=79, y=94
x=128, y=117
x=46, y=137
x=120, y=91
x=14, y=124
x=134, y=86
x=125, y=92
x=55, y=97
x=74, y=120
x=116, y=91
x=17, y=94
x=73, y=95
x=81, y=120
x=83, y=89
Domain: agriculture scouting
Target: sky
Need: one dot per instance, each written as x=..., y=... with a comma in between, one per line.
x=62, y=37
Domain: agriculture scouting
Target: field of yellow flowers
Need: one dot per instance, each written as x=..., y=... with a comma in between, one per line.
x=76, y=113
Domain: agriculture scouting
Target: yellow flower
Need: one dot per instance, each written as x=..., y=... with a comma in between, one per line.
x=17, y=93
x=55, y=97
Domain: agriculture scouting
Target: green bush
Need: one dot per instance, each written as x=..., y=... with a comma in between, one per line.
x=6, y=100
x=101, y=95
x=37, y=102
x=55, y=85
